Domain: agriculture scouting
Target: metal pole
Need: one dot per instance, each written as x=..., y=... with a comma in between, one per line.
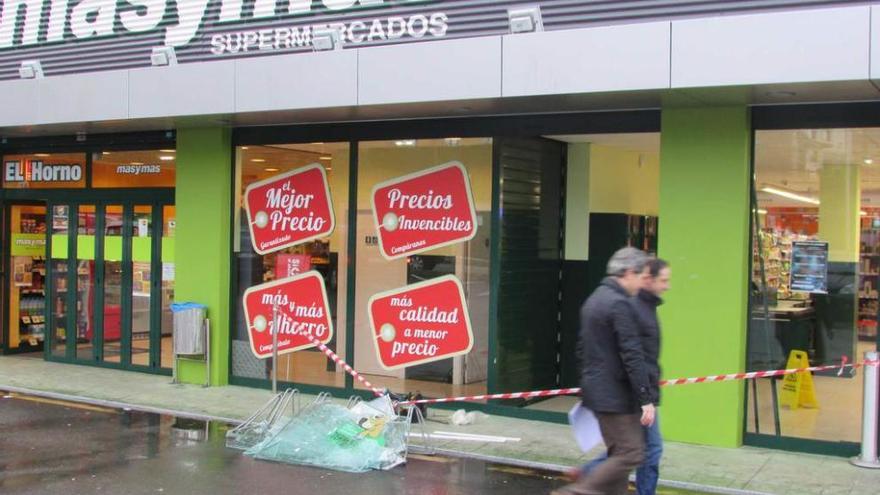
x=868, y=457
x=275, y=348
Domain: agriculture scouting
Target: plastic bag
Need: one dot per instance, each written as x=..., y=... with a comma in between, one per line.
x=368, y=436
x=461, y=418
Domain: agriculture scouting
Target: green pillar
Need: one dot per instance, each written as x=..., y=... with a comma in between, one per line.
x=839, y=220
x=704, y=234
x=202, y=251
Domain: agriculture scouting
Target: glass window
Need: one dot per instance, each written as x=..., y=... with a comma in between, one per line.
x=44, y=171
x=150, y=168
x=113, y=217
x=390, y=162
x=27, y=296
x=815, y=273
x=326, y=255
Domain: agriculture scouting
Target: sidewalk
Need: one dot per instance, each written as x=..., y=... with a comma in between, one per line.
x=708, y=469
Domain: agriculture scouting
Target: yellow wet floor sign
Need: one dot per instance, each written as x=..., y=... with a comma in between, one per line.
x=798, y=389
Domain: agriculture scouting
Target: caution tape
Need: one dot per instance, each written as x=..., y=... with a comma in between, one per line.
x=663, y=383
x=338, y=360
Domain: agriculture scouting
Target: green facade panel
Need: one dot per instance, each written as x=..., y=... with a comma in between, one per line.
x=201, y=248
x=704, y=209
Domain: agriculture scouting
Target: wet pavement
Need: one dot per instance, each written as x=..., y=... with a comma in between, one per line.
x=52, y=447
x=49, y=447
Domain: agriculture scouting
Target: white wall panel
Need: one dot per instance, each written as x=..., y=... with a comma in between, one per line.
x=799, y=46
x=187, y=89
x=435, y=71
x=311, y=80
x=615, y=58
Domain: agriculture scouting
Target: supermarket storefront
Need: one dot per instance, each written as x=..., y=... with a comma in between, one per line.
x=597, y=132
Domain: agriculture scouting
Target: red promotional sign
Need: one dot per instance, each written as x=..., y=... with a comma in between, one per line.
x=420, y=323
x=424, y=211
x=289, y=209
x=302, y=309
x=288, y=265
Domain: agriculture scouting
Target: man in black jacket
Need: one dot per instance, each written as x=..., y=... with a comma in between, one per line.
x=645, y=305
x=614, y=381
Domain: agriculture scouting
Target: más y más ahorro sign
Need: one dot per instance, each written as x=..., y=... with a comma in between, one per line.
x=26, y=23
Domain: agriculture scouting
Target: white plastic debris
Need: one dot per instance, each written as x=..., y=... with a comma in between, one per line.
x=461, y=418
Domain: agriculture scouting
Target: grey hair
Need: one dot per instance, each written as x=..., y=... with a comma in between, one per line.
x=626, y=259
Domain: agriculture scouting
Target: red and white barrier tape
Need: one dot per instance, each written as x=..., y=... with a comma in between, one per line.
x=663, y=383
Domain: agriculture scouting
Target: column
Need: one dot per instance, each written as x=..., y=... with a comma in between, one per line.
x=704, y=234
x=202, y=251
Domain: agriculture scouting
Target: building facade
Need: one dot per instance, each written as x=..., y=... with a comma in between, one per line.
x=737, y=140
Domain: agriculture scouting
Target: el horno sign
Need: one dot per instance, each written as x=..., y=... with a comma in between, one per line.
x=289, y=209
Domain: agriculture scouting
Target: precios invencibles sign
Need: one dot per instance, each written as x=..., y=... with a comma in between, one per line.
x=25, y=23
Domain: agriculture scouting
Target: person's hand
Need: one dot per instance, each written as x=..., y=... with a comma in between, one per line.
x=648, y=415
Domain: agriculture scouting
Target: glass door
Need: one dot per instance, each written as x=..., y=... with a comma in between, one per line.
x=118, y=311
x=25, y=282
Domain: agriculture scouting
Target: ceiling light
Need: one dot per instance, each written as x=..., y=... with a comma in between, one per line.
x=245, y=148
x=271, y=169
x=318, y=143
x=258, y=160
x=166, y=158
x=42, y=155
x=106, y=153
x=863, y=213
x=790, y=195
x=525, y=19
x=168, y=151
x=30, y=69
x=163, y=55
x=868, y=161
x=405, y=142
x=452, y=141
x=326, y=158
x=762, y=212
x=137, y=163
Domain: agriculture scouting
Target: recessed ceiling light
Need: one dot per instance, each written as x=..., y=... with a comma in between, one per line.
x=245, y=148
x=166, y=158
x=106, y=153
x=168, y=151
x=868, y=161
x=271, y=169
x=405, y=142
x=326, y=158
x=318, y=143
x=258, y=160
x=42, y=155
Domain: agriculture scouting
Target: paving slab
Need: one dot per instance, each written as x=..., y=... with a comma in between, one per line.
x=744, y=470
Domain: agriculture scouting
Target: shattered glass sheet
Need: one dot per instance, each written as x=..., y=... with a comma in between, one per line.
x=367, y=436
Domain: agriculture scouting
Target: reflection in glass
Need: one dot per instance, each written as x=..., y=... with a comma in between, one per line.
x=85, y=281
x=60, y=324
x=113, y=283
x=469, y=261
x=27, y=297
x=141, y=246
x=812, y=215
x=327, y=256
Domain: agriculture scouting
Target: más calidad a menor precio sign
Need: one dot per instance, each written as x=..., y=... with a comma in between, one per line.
x=420, y=323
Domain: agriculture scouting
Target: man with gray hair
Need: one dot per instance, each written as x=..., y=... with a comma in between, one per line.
x=614, y=381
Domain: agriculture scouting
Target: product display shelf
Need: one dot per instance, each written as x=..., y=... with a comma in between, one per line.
x=869, y=280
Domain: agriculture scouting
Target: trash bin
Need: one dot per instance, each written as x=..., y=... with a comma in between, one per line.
x=192, y=337
x=189, y=335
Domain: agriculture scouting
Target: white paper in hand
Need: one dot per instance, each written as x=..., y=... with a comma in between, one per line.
x=586, y=427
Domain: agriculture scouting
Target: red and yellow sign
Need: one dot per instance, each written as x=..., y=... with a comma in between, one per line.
x=301, y=309
x=423, y=211
x=420, y=323
x=289, y=209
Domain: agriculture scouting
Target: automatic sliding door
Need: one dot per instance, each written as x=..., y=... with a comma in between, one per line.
x=141, y=228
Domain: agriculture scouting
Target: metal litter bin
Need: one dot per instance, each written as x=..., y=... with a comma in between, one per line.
x=192, y=337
